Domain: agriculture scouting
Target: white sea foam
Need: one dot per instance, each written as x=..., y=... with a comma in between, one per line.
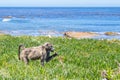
x=6, y=20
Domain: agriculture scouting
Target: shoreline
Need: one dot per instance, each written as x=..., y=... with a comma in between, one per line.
x=68, y=34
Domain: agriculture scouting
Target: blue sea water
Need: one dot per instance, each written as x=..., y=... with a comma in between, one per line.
x=56, y=20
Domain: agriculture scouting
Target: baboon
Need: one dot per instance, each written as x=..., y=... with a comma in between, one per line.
x=40, y=52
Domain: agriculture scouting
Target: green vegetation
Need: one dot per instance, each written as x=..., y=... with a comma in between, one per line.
x=82, y=59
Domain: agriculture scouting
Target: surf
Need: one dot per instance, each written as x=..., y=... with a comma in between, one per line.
x=6, y=20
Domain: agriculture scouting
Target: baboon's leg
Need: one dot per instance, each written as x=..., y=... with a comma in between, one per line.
x=47, y=56
x=42, y=60
x=25, y=60
x=51, y=57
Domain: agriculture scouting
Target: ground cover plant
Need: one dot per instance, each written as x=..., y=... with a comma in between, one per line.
x=82, y=59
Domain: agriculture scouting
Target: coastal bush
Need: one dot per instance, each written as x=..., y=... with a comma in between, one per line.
x=82, y=59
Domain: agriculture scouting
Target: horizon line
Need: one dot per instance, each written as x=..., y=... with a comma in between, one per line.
x=58, y=6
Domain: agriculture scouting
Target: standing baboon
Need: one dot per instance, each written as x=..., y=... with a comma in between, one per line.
x=40, y=52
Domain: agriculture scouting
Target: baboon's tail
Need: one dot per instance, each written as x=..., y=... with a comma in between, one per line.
x=20, y=46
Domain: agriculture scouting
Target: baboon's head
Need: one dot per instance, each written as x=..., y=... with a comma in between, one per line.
x=49, y=47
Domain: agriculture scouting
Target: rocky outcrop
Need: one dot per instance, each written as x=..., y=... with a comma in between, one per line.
x=79, y=35
x=7, y=17
x=111, y=33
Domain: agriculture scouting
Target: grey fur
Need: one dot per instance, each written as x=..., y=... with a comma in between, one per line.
x=40, y=52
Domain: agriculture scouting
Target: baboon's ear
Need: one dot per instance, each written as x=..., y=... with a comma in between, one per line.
x=46, y=44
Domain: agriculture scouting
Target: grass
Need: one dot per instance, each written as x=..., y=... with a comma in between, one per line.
x=82, y=59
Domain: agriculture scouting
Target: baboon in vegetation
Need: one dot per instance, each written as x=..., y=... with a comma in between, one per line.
x=40, y=52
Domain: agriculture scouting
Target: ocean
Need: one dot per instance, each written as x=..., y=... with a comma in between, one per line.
x=36, y=21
